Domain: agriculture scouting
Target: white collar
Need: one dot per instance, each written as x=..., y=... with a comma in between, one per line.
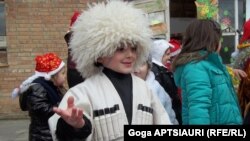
x=158, y=63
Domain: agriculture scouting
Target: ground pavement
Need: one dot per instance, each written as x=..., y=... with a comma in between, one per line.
x=14, y=130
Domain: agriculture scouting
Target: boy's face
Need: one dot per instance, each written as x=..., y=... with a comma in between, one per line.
x=166, y=56
x=122, y=61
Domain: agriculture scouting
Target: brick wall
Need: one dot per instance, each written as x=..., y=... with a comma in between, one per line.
x=3, y=57
x=33, y=27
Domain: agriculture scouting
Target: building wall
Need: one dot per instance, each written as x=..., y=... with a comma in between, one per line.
x=247, y=9
x=33, y=27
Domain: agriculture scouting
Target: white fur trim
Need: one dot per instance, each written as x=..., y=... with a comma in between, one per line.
x=57, y=70
x=175, y=52
x=102, y=28
x=48, y=75
x=24, y=86
x=170, y=45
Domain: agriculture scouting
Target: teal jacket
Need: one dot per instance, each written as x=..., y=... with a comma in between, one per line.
x=208, y=95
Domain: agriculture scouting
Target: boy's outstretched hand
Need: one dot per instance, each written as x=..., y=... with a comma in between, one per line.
x=72, y=115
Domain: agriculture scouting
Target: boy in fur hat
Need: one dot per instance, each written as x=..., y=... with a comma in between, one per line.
x=40, y=93
x=109, y=41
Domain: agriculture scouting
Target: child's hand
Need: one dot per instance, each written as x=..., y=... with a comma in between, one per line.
x=72, y=115
x=239, y=73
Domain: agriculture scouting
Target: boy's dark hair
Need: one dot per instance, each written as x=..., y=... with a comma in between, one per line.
x=201, y=34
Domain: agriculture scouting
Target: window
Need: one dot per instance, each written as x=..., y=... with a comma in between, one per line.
x=231, y=17
x=156, y=12
x=3, y=44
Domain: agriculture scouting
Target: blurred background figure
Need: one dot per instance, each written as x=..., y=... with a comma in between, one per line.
x=160, y=56
x=208, y=95
x=73, y=76
x=242, y=61
x=174, y=51
x=42, y=91
x=145, y=73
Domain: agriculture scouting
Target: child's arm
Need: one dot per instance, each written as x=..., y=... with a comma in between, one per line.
x=167, y=103
x=236, y=74
x=160, y=115
x=239, y=73
x=198, y=90
x=73, y=123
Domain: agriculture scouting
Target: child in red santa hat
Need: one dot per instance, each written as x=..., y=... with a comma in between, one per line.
x=41, y=92
x=174, y=51
x=160, y=52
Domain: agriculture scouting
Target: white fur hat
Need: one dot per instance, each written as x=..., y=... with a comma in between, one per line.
x=101, y=29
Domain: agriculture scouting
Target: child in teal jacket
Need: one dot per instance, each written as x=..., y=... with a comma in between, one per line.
x=208, y=94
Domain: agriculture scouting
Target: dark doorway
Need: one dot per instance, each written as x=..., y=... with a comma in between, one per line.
x=182, y=12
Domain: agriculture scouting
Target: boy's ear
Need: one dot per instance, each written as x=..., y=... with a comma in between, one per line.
x=99, y=60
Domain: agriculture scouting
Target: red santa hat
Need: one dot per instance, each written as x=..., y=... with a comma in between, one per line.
x=245, y=37
x=176, y=49
x=46, y=65
x=246, y=32
x=74, y=17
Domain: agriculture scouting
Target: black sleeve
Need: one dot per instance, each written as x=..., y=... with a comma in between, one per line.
x=247, y=119
x=66, y=132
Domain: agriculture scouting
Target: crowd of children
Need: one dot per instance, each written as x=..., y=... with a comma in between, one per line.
x=128, y=78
